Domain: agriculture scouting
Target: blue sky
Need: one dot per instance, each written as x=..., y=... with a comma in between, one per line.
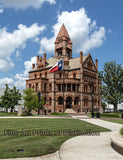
x=29, y=28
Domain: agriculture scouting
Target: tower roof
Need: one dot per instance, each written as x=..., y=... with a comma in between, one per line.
x=63, y=32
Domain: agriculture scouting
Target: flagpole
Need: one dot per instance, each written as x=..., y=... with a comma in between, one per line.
x=54, y=92
x=63, y=85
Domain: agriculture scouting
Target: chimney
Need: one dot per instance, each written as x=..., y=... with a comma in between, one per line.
x=96, y=63
x=37, y=59
x=81, y=57
x=44, y=56
x=33, y=66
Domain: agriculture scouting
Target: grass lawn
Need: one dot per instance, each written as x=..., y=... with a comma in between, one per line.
x=7, y=114
x=120, y=121
x=38, y=145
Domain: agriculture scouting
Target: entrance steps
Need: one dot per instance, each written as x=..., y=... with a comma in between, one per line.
x=69, y=111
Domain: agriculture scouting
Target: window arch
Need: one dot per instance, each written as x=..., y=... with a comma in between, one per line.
x=60, y=101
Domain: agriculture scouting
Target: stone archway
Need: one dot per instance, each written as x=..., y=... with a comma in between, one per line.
x=68, y=102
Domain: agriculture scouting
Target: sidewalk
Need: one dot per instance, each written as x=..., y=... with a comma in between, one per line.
x=91, y=147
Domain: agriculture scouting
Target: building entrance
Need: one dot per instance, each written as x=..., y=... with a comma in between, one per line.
x=68, y=102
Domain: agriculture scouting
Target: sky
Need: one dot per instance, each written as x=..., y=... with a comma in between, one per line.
x=29, y=27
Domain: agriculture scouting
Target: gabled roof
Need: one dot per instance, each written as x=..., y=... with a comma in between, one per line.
x=63, y=32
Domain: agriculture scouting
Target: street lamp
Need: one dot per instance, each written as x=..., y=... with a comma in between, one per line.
x=92, y=93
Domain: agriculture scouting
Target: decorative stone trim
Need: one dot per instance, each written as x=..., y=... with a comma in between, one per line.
x=117, y=142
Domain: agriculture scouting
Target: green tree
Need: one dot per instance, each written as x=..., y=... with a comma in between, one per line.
x=5, y=99
x=104, y=105
x=31, y=100
x=15, y=96
x=112, y=83
x=10, y=98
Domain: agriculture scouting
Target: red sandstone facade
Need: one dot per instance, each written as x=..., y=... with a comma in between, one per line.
x=71, y=89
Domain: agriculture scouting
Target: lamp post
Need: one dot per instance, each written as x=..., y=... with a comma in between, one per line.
x=92, y=93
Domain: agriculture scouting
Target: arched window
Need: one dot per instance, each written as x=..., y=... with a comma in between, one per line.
x=60, y=101
x=50, y=101
x=76, y=101
x=74, y=75
x=35, y=75
x=29, y=85
x=40, y=75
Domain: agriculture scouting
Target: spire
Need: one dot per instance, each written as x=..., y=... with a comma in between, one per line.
x=63, y=44
x=63, y=32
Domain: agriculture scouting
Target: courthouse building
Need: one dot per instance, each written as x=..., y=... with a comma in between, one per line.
x=71, y=88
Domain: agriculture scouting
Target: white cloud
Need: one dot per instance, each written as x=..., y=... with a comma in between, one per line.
x=84, y=33
x=21, y=78
x=6, y=80
x=10, y=42
x=23, y=4
x=17, y=54
x=1, y=9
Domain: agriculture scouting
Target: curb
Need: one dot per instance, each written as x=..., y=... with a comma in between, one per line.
x=117, y=142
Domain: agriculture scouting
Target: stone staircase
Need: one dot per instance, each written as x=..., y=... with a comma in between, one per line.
x=69, y=111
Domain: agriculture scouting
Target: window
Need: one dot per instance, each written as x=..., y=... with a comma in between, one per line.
x=60, y=101
x=50, y=101
x=50, y=87
x=45, y=87
x=37, y=87
x=85, y=102
x=40, y=75
x=77, y=87
x=74, y=75
x=63, y=87
x=59, y=53
x=68, y=54
x=76, y=101
x=69, y=87
x=74, y=87
x=45, y=100
x=60, y=75
x=59, y=87
x=29, y=85
x=35, y=75
x=45, y=74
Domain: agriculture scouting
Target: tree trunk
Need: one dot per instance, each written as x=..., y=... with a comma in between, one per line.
x=115, y=107
x=11, y=110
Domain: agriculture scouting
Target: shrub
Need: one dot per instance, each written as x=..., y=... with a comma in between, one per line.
x=121, y=131
x=59, y=114
x=26, y=114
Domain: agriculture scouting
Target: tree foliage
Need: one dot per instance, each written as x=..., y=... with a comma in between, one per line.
x=31, y=100
x=10, y=98
x=112, y=83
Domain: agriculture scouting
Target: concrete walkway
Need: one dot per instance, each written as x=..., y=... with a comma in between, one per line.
x=91, y=147
x=86, y=147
